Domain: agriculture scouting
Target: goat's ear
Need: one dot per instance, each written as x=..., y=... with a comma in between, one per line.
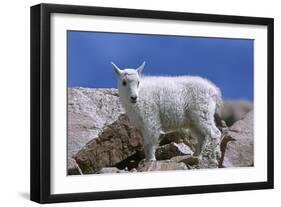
x=116, y=69
x=139, y=69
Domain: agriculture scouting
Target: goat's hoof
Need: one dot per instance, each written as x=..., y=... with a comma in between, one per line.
x=143, y=161
x=214, y=163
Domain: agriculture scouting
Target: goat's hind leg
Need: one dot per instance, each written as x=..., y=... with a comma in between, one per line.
x=201, y=142
x=206, y=132
x=215, y=140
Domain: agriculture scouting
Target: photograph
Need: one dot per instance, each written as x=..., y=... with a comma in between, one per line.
x=153, y=102
x=129, y=103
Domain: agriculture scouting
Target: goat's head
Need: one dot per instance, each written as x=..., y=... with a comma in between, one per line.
x=128, y=83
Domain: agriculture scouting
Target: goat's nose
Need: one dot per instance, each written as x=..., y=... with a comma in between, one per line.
x=134, y=98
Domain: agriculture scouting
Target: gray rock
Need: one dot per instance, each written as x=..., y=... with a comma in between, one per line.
x=89, y=110
x=173, y=149
x=239, y=146
x=73, y=168
x=178, y=136
x=164, y=165
x=133, y=170
x=188, y=160
x=107, y=170
x=115, y=143
x=233, y=111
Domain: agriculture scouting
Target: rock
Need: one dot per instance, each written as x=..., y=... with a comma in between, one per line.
x=239, y=146
x=117, y=142
x=132, y=161
x=133, y=170
x=80, y=131
x=226, y=138
x=233, y=111
x=73, y=168
x=89, y=110
x=163, y=165
x=186, y=159
x=173, y=149
x=110, y=170
x=178, y=136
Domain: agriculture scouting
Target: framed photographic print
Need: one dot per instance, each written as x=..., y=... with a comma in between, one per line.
x=132, y=103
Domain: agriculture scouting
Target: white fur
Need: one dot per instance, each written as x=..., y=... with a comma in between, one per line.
x=170, y=103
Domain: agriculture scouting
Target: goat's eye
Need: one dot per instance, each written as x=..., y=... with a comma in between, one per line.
x=124, y=83
x=138, y=83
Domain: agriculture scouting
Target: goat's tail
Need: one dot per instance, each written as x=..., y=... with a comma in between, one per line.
x=219, y=107
x=219, y=102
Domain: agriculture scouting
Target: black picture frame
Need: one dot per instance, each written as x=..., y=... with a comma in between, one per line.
x=41, y=99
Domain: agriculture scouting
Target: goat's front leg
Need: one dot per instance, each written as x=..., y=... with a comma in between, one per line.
x=150, y=144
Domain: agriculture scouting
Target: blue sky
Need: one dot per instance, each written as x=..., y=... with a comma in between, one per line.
x=226, y=62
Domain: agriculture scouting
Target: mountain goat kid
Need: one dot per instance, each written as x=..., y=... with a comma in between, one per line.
x=161, y=104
